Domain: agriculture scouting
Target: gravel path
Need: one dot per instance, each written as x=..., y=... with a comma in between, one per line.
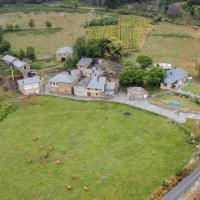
x=146, y=105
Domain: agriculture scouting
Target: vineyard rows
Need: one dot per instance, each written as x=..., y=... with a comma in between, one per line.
x=131, y=31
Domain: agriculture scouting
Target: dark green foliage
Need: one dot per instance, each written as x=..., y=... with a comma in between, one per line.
x=154, y=76
x=4, y=46
x=6, y=109
x=196, y=100
x=144, y=61
x=21, y=54
x=80, y=47
x=71, y=62
x=104, y=21
x=48, y=24
x=30, y=53
x=131, y=75
x=31, y=23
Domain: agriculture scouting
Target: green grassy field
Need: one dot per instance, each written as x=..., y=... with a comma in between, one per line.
x=116, y=156
x=192, y=87
x=175, y=44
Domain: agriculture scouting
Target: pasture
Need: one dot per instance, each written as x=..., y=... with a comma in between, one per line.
x=50, y=143
x=67, y=27
x=175, y=44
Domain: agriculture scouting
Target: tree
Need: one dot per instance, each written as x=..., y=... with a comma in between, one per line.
x=30, y=53
x=4, y=46
x=71, y=62
x=131, y=75
x=21, y=54
x=80, y=47
x=198, y=69
x=114, y=49
x=31, y=23
x=48, y=24
x=154, y=76
x=95, y=48
x=144, y=61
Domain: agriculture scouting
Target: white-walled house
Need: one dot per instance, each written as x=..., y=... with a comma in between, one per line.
x=30, y=86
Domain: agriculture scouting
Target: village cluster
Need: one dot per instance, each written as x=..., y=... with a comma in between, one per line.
x=89, y=79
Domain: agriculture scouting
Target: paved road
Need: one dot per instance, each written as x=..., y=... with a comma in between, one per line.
x=182, y=187
x=145, y=105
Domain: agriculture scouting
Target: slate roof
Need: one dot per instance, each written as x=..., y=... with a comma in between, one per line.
x=19, y=63
x=30, y=81
x=63, y=77
x=110, y=85
x=83, y=82
x=8, y=59
x=65, y=50
x=84, y=61
x=174, y=75
x=136, y=90
x=97, y=83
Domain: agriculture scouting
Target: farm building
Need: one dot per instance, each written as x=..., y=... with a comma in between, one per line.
x=63, y=53
x=29, y=86
x=96, y=86
x=80, y=89
x=84, y=63
x=89, y=72
x=22, y=66
x=174, y=78
x=110, y=89
x=137, y=93
x=8, y=59
x=75, y=72
x=62, y=83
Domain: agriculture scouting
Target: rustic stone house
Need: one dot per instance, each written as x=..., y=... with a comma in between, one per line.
x=7, y=59
x=63, y=53
x=96, y=86
x=137, y=93
x=174, y=78
x=30, y=86
x=89, y=72
x=22, y=66
x=80, y=89
x=62, y=83
x=110, y=89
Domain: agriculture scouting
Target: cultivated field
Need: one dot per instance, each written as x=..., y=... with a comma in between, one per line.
x=69, y=27
x=116, y=155
x=175, y=44
x=130, y=30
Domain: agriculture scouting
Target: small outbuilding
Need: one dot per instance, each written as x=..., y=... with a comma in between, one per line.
x=63, y=53
x=137, y=93
x=22, y=66
x=8, y=59
x=30, y=86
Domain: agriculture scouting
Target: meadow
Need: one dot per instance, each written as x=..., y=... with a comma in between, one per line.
x=48, y=143
x=175, y=44
x=67, y=27
x=130, y=31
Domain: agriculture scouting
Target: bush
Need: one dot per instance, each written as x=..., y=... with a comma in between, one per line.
x=144, y=61
x=104, y=21
x=71, y=62
x=48, y=24
x=4, y=46
x=30, y=53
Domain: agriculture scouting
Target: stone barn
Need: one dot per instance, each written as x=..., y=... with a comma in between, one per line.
x=137, y=93
x=63, y=53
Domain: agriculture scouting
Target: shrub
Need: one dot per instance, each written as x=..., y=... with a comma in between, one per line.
x=31, y=23
x=30, y=53
x=4, y=46
x=144, y=61
x=48, y=24
x=104, y=21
